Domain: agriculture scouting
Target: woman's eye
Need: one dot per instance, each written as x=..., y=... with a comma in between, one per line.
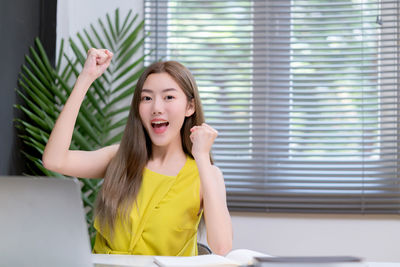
x=170, y=97
x=146, y=98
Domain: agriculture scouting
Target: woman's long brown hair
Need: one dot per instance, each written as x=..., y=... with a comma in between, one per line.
x=123, y=177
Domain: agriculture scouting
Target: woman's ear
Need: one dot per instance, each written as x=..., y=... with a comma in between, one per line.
x=190, y=109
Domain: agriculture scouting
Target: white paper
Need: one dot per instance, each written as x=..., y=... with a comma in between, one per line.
x=203, y=260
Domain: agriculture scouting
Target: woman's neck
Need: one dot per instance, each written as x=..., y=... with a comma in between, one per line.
x=167, y=160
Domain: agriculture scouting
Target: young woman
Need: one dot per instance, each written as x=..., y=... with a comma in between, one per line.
x=160, y=179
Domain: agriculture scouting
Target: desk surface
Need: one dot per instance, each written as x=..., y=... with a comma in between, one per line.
x=102, y=260
x=382, y=264
x=148, y=261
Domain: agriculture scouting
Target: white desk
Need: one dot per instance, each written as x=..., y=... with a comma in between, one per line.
x=383, y=264
x=102, y=260
x=147, y=261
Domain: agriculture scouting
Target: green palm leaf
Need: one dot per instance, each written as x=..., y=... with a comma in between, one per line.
x=103, y=114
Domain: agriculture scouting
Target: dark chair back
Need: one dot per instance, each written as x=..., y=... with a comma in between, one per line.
x=203, y=249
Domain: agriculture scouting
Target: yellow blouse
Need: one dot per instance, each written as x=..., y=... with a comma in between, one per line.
x=165, y=220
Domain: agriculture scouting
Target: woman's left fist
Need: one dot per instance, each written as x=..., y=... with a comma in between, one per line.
x=202, y=137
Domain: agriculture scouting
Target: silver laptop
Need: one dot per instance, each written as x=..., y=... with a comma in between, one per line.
x=42, y=223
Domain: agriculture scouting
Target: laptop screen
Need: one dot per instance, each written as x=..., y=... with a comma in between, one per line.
x=42, y=223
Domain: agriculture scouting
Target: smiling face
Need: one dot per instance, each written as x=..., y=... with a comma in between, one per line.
x=163, y=108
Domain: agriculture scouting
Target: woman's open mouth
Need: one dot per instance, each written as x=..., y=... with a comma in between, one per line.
x=159, y=127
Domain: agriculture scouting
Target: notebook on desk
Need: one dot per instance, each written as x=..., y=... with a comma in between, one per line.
x=42, y=223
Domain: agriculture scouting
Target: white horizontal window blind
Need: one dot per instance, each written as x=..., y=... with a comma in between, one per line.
x=304, y=95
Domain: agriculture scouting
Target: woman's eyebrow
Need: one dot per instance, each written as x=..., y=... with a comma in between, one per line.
x=147, y=90
x=169, y=89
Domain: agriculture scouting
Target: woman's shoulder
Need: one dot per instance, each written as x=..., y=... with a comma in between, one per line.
x=191, y=162
x=190, y=165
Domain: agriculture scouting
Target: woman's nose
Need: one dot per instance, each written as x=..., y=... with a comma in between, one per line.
x=157, y=107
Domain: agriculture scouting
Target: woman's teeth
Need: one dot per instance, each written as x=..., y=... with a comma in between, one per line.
x=159, y=124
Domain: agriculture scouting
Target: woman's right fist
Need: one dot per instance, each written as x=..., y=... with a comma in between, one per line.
x=97, y=62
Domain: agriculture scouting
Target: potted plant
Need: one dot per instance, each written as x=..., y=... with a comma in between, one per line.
x=103, y=114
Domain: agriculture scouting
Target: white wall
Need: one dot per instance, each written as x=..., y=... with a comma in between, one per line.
x=373, y=237
x=376, y=238
x=74, y=15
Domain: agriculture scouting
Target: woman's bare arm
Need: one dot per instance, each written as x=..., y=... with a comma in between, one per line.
x=216, y=214
x=57, y=156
